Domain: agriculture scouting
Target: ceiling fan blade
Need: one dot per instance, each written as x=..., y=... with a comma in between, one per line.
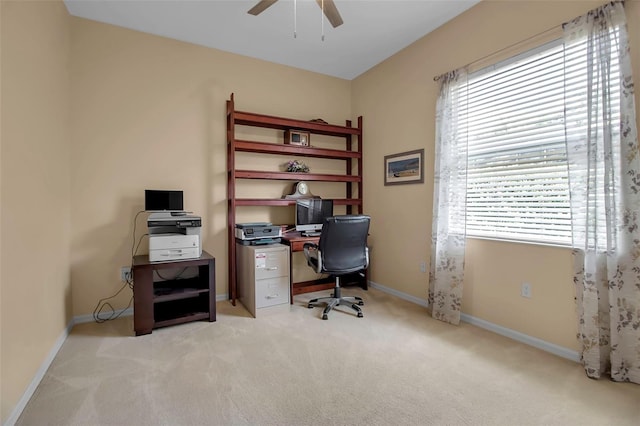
x=260, y=7
x=331, y=12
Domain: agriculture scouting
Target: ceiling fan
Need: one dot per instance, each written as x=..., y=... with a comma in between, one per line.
x=328, y=7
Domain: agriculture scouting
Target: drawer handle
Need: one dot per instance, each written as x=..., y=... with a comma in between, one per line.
x=274, y=296
x=273, y=268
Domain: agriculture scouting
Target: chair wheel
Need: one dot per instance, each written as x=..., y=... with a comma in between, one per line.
x=360, y=315
x=361, y=303
x=325, y=317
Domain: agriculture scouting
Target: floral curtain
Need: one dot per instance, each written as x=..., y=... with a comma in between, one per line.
x=448, y=236
x=604, y=181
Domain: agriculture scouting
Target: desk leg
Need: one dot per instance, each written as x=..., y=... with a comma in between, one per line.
x=290, y=275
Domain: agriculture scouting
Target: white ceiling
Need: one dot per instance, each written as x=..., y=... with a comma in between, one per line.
x=373, y=30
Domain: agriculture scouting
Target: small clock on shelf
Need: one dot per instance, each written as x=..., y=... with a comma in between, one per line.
x=296, y=137
x=300, y=190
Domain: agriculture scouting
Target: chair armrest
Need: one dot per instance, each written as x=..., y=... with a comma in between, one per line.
x=367, y=257
x=308, y=248
x=312, y=254
x=313, y=246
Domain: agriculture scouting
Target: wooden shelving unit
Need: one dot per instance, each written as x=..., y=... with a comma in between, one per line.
x=351, y=150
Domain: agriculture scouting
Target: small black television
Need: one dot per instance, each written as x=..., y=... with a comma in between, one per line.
x=311, y=212
x=159, y=200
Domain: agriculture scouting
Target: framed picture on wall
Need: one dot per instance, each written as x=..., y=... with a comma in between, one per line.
x=403, y=168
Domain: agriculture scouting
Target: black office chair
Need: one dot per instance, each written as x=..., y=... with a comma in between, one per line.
x=342, y=249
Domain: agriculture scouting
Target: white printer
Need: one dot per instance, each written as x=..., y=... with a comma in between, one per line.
x=174, y=236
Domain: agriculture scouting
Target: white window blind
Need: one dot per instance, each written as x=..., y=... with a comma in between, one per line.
x=517, y=180
x=517, y=185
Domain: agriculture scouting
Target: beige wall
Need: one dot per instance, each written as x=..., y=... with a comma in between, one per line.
x=150, y=113
x=397, y=99
x=35, y=198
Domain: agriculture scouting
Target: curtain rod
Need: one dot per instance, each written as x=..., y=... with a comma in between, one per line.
x=497, y=52
x=511, y=46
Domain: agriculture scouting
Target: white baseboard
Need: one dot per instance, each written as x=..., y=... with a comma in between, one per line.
x=498, y=329
x=523, y=338
x=81, y=319
x=399, y=294
x=28, y=393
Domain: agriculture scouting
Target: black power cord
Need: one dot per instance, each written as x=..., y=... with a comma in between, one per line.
x=128, y=282
x=103, y=303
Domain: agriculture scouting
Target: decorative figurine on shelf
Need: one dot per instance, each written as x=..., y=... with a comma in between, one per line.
x=297, y=166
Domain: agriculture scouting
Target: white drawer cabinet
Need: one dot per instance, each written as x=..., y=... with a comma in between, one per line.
x=263, y=277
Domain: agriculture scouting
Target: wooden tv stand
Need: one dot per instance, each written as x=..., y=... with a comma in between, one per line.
x=164, y=303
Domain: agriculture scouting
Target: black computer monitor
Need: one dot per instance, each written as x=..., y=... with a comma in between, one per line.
x=159, y=200
x=311, y=212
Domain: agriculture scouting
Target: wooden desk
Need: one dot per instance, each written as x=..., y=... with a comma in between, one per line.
x=296, y=241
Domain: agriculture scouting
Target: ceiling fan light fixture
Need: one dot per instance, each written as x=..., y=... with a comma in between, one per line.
x=330, y=11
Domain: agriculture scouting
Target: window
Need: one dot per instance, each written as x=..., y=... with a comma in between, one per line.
x=513, y=118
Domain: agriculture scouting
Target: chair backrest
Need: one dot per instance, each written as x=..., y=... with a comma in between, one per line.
x=343, y=243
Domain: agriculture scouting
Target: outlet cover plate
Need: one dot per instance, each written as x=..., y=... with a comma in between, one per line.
x=125, y=273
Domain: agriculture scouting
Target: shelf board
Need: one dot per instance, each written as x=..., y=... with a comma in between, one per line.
x=290, y=202
x=256, y=174
x=272, y=148
x=167, y=294
x=268, y=121
x=185, y=317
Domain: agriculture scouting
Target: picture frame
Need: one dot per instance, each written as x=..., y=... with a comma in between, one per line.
x=296, y=137
x=404, y=168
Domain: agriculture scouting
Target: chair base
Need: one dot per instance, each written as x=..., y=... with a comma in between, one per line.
x=336, y=300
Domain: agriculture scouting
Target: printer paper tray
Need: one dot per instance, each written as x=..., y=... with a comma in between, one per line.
x=163, y=255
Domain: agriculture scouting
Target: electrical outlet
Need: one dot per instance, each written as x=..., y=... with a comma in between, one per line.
x=423, y=266
x=525, y=290
x=125, y=274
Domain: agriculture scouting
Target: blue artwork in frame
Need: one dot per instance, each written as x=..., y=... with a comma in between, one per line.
x=403, y=168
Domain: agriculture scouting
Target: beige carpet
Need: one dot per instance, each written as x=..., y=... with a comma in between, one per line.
x=395, y=366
